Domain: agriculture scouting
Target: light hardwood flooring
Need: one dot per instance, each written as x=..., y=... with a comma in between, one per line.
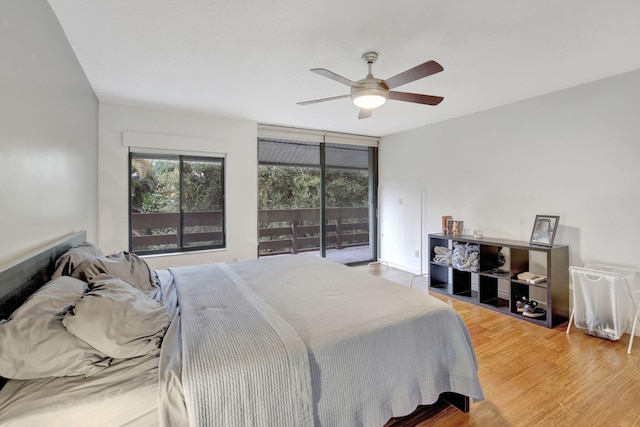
x=535, y=376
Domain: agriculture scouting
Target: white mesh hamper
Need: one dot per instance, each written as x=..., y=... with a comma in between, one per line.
x=603, y=303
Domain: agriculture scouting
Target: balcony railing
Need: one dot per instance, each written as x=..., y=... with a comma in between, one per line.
x=298, y=230
x=280, y=231
x=151, y=230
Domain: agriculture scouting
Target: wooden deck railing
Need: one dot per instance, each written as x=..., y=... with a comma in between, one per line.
x=298, y=230
x=150, y=229
x=280, y=230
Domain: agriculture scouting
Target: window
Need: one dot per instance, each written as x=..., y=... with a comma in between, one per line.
x=176, y=203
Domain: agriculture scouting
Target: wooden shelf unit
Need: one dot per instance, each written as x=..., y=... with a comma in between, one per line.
x=447, y=280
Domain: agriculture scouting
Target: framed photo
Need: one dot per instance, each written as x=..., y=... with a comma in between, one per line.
x=455, y=227
x=544, y=230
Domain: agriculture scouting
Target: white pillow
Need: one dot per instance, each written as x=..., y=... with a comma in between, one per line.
x=35, y=344
x=118, y=319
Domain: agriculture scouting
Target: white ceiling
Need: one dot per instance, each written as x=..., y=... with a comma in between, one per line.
x=250, y=59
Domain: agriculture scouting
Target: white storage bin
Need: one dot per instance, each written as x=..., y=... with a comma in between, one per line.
x=602, y=304
x=610, y=309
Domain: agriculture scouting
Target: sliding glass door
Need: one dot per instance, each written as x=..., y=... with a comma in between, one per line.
x=317, y=198
x=348, y=200
x=288, y=197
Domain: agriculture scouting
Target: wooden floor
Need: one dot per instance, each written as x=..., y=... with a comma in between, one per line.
x=534, y=376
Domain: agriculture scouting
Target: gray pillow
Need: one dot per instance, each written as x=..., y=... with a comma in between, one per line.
x=72, y=258
x=126, y=266
x=35, y=344
x=118, y=319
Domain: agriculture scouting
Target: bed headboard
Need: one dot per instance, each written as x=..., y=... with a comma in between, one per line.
x=23, y=277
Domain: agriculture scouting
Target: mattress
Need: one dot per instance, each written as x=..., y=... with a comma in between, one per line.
x=374, y=349
x=371, y=350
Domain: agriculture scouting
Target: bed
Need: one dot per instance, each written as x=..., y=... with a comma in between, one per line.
x=298, y=341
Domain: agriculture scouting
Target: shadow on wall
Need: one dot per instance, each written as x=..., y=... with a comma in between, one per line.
x=570, y=236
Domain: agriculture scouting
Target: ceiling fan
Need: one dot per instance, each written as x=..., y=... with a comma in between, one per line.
x=370, y=92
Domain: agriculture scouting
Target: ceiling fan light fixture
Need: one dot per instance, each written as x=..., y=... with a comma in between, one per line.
x=369, y=102
x=369, y=98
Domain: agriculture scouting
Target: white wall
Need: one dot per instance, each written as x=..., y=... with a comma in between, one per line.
x=48, y=133
x=236, y=139
x=573, y=153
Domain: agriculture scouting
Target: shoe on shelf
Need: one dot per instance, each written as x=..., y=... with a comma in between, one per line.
x=531, y=309
x=520, y=303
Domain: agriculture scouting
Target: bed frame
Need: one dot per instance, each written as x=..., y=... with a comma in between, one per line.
x=26, y=275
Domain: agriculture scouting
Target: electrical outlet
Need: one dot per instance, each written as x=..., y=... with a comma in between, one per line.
x=417, y=253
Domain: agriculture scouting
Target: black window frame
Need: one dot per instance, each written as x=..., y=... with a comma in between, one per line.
x=313, y=155
x=180, y=158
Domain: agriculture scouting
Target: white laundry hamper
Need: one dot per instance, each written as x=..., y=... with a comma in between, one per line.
x=605, y=300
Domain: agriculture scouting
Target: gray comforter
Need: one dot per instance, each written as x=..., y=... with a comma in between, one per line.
x=295, y=341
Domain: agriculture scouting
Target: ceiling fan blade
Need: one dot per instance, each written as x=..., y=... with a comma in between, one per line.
x=415, y=97
x=315, y=101
x=364, y=114
x=415, y=73
x=333, y=76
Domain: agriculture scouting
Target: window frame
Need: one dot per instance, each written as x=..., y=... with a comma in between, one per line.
x=324, y=165
x=180, y=159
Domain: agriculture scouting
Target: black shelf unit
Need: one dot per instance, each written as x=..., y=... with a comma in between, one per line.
x=449, y=281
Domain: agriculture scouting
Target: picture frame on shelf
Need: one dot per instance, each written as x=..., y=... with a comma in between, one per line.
x=455, y=227
x=544, y=230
